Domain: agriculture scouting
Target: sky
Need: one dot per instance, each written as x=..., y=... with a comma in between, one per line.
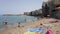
x=19, y=6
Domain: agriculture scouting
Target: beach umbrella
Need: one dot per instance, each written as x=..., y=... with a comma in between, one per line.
x=49, y=32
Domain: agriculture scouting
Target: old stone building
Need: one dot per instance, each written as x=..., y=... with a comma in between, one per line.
x=54, y=8
x=36, y=12
x=26, y=13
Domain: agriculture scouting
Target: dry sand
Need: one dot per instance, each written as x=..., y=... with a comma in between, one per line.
x=32, y=24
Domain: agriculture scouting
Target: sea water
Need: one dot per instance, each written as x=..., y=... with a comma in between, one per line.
x=13, y=20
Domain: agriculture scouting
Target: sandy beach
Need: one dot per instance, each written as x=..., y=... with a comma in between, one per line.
x=33, y=24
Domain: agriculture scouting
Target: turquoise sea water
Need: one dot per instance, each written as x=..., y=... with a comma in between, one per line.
x=13, y=20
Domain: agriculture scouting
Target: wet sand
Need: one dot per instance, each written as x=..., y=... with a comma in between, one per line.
x=33, y=24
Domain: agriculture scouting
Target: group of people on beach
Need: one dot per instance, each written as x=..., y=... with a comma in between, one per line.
x=7, y=23
x=48, y=29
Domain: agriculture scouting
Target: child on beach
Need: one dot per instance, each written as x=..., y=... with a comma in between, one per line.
x=49, y=32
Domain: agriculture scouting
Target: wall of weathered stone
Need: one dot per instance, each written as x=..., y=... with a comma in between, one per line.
x=58, y=14
x=52, y=5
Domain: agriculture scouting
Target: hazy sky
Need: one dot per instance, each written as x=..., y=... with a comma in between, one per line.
x=19, y=6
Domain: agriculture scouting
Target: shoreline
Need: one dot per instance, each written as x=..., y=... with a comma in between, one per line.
x=9, y=26
x=33, y=24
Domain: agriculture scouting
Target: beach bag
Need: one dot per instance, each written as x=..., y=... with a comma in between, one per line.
x=49, y=32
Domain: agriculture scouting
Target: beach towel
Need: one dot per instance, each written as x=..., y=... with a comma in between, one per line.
x=36, y=30
x=31, y=33
x=36, y=33
x=49, y=32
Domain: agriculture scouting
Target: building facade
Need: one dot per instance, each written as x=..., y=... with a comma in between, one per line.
x=54, y=10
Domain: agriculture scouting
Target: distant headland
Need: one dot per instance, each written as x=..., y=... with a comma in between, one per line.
x=13, y=14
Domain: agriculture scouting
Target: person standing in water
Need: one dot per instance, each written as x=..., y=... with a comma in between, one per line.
x=19, y=24
x=5, y=22
x=25, y=19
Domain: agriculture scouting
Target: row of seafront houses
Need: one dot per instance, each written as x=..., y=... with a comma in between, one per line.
x=34, y=13
x=51, y=7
